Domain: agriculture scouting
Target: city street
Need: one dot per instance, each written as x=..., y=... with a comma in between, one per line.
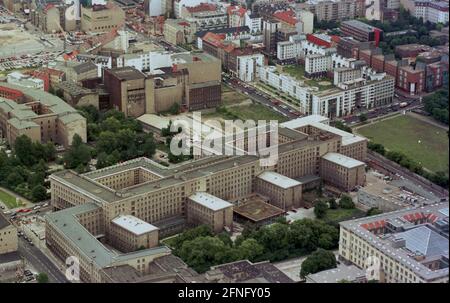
x=41, y=262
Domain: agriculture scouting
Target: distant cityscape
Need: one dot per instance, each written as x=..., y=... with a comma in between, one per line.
x=97, y=98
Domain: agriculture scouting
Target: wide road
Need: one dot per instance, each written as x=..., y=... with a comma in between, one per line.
x=381, y=162
x=41, y=262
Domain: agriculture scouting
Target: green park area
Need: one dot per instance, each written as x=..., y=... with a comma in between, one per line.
x=252, y=111
x=425, y=143
x=342, y=214
x=8, y=200
x=298, y=72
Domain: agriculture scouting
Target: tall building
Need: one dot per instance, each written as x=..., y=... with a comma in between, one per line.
x=8, y=236
x=102, y=18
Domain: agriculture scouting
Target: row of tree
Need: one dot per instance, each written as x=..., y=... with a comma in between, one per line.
x=439, y=178
x=25, y=169
x=436, y=105
x=200, y=249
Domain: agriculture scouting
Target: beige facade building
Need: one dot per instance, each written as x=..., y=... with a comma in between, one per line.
x=39, y=115
x=129, y=233
x=203, y=208
x=409, y=245
x=195, y=192
x=342, y=172
x=8, y=236
x=283, y=192
x=102, y=18
x=178, y=31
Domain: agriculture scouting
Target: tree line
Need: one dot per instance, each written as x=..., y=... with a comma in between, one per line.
x=201, y=249
x=440, y=178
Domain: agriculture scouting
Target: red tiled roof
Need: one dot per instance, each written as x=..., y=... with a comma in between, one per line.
x=236, y=10
x=286, y=16
x=202, y=7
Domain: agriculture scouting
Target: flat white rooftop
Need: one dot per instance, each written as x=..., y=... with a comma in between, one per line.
x=133, y=224
x=322, y=123
x=278, y=180
x=210, y=201
x=342, y=160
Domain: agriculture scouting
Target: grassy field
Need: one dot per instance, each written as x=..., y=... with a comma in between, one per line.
x=420, y=141
x=298, y=72
x=230, y=96
x=9, y=200
x=246, y=112
x=341, y=214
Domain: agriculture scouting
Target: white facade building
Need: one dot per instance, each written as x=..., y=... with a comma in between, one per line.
x=248, y=66
x=253, y=22
x=317, y=64
x=146, y=61
x=373, y=90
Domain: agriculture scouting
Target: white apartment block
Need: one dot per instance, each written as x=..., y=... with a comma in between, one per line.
x=248, y=66
x=345, y=74
x=253, y=22
x=300, y=47
x=429, y=10
x=373, y=90
x=25, y=80
x=408, y=245
x=178, y=5
x=317, y=64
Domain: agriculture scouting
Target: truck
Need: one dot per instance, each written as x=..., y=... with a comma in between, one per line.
x=403, y=104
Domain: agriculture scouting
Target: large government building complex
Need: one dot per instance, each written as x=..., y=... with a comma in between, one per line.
x=114, y=216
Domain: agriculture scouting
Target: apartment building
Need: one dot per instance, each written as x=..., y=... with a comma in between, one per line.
x=40, y=116
x=203, y=208
x=317, y=65
x=102, y=18
x=8, y=236
x=334, y=10
x=410, y=245
x=343, y=172
x=429, y=10
x=206, y=16
x=50, y=17
x=370, y=90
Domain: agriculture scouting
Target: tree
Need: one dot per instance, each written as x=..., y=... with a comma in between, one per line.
x=23, y=148
x=42, y=278
x=250, y=249
x=175, y=109
x=346, y=202
x=363, y=117
x=318, y=261
x=332, y=203
x=39, y=193
x=320, y=209
x=78, y=155
x=373, y=211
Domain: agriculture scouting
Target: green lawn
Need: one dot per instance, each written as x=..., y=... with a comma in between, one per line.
x=298, y=72
x=420, y=141
x=9, y=200
x=230, y=96
x=341, y=214
x=247, y=112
